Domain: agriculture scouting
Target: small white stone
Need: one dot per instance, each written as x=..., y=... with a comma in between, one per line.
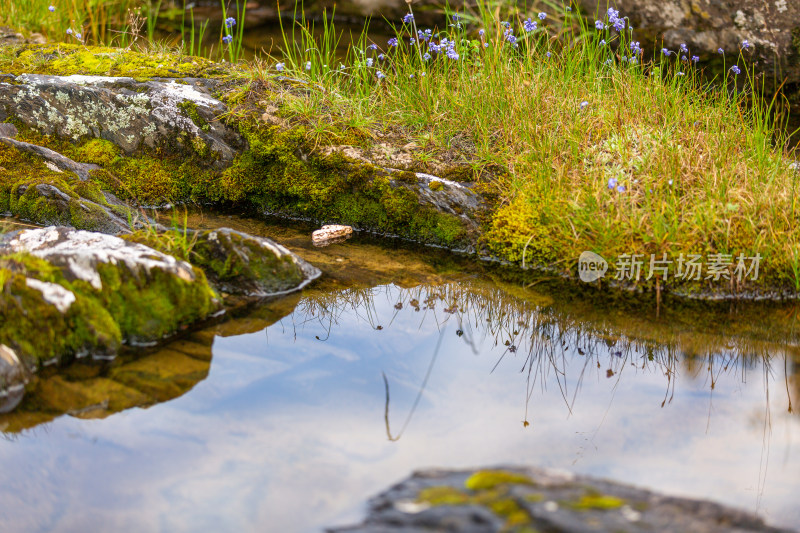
x=630, y=514
x=551, y=506
x=410, y=506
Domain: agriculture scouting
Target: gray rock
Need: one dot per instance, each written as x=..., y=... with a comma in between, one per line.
x=544, y=500
x=771, y=27
x=245, y=265
x=176, y=116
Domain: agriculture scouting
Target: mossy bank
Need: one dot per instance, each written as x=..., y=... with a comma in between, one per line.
x=240, y=137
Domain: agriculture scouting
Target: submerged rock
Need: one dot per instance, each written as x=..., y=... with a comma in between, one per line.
x=533, y=499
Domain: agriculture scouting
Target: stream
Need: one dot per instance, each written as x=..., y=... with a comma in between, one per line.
x=288, y=415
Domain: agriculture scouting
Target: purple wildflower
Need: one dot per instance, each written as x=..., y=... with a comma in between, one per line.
x=720, y=51
x=736, y=70
x=665, y=51
x=69, y=31
x=227, y=39
x=612, y=182
x=599, y=25
x=408, y=18
x=381, y=57
x=380, y=75
x=230, y=22
x=370, y=61
x=279, y=67
x=392, y=41
x=548, y=54
x=529, y=25
x=452, y=54
x=684, y=48
x=481, y=33
x=584, y=105
x=373, y=46
x=308, y=65
x=745, y=44
x=620, y=188
x=426, y=57
x=52, y=8
x=542, y=16
x=619, y=24
x=695, y=59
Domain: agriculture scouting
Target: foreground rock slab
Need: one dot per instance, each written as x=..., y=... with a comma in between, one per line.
x=533, y=499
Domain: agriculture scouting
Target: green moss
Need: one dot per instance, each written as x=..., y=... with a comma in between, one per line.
x=436, y=185
x=97, y=151
x=493, y=496
x=148, y=181
x=282, y=173
x=67, y=59
x=156, y=307
x=40, y=332
x=444, y=495
x=189, y=109
x=489, y=479
x=594, y=501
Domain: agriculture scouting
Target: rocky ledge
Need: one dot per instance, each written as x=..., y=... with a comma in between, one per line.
x=534, y=499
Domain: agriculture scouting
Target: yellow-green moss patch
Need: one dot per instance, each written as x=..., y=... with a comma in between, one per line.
x=489, y=479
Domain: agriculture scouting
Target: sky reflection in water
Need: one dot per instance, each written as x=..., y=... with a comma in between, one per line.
x=287, y=432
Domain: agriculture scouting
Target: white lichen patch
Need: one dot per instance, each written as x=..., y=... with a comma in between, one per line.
x=427, y=179
x=187, y=92
x=54, y=294
x=92, y=80
x=82, y=251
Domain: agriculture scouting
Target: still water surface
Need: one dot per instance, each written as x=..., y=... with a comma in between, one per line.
x=277, y=419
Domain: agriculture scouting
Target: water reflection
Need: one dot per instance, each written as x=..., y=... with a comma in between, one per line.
x=289, y=417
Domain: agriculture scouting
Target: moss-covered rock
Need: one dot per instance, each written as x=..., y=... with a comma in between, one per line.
x=534, y=499
x=66, y=293
x=234, y=262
